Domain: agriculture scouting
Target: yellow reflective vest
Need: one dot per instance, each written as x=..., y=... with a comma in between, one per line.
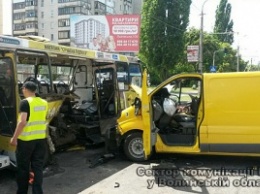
x=36, y=125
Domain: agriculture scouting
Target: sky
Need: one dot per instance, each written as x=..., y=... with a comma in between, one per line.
x=245, y=15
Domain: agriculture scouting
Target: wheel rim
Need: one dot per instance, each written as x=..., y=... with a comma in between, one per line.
x=136, y=148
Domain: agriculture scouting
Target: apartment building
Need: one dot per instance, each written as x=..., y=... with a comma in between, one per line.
x=51, y=18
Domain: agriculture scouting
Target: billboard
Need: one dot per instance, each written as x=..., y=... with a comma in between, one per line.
x=109, y=33
x=193, y=53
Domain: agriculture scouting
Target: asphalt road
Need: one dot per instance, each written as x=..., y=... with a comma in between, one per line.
x=72, y=174
x=184, y=175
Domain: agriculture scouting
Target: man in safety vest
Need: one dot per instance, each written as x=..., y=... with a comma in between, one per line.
x=30, y=139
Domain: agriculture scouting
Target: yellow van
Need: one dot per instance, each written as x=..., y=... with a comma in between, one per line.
x=211, y=113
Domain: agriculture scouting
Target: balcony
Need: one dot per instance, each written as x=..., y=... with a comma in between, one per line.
x=99, y=8
x=64, y=41
x=31, y=31
x=18, y=32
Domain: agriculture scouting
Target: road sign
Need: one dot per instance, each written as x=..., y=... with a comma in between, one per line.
x=213, y=69
x=193, y=53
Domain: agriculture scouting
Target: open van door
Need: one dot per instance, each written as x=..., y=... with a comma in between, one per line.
x=149, y=132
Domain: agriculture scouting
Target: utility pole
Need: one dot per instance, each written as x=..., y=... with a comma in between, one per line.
x=200, y=69
x=238, y=52
x=238, y=58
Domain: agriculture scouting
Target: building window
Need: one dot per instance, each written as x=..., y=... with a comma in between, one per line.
x=42, y=25
x=64, y=34
x=42, y=14
x=19, y=5
x=19, y=16
x=67, y=10
x=52, y=25
x=31, y=13
x=31, y=25
x=30, y=3
x=42, y=3
x=64, y=1
x=52, y=37
x=64, y=22
x=19, y=27
x=51, y=13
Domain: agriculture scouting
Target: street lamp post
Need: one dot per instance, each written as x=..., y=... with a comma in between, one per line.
x=238, y=55
x=214, y=54
x=201, y=40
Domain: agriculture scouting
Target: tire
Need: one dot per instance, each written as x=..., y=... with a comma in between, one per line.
x=133, y=147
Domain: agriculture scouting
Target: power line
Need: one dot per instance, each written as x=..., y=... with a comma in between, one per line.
x=192, y=4
x=172, y=25
x=169, y=24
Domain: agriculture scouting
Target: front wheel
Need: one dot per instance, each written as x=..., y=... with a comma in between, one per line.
x=133, y=147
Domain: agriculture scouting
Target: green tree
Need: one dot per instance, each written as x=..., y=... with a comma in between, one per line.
x=223, y=23
x=252, y=67
x=210, y=45
x=162, y=36
x=225, y=55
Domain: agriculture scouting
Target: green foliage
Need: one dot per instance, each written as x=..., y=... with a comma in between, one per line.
x=223, y=23
x=225, y=56
x=162, y=36
x=184, y=68
x=252, y=67
x=164, y=40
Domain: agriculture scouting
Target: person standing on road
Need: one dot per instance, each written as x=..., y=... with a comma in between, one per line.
x=30, y=139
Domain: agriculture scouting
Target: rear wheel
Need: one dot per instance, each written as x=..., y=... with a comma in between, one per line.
x=133, y=147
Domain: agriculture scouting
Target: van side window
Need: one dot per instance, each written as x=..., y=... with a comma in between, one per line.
x=186, y=91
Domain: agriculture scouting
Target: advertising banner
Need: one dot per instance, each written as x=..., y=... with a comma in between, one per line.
x=108, y=33
x=193, y=53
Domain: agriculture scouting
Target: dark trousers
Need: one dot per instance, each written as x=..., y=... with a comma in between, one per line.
x=30, y=155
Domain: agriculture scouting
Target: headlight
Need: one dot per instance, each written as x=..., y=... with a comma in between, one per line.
x=187, y=118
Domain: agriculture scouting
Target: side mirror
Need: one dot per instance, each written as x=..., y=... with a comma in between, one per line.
x=137, y=104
